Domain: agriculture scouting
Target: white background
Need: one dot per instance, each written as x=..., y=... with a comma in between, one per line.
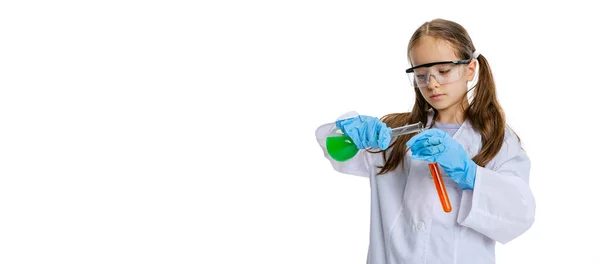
x=183, y=132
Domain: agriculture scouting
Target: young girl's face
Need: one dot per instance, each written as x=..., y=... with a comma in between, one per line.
x=447, y=94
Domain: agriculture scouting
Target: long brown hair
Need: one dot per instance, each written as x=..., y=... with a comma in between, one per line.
x=484, y=112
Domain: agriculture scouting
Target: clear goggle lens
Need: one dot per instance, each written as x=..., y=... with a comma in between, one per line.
x=442, y=73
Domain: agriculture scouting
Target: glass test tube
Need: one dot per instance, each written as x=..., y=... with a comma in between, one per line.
x=412, y=128
x=440, y=187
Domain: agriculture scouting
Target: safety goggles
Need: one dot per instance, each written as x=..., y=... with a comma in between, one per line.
x=444, y=72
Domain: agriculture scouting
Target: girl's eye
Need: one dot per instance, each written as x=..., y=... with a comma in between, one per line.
x=444, y=71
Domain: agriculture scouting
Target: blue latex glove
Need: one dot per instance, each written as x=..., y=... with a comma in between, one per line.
x=435, y=145
x=366, y=132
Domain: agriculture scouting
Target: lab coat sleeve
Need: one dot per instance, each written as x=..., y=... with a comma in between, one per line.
x=357, y=165
x=501, y=204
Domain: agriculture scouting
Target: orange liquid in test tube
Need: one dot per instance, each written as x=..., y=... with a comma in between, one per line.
x=440, y=187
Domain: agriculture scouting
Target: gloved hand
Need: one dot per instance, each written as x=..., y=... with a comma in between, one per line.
x=435, y=145
x=366, y=132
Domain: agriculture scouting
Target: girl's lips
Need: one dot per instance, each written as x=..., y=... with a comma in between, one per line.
x=436, y=96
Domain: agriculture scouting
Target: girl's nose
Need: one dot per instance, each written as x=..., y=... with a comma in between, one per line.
x=432, y=82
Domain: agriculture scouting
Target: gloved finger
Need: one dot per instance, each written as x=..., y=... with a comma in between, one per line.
x=363, y=118
x=385, y=137
x=343, y=124
x=354, y=134
x=422, y=143
x=415, y=138
x=425, y=134
x=371, y=134
x=357, y=135
x=367, y=131
x=381, y=136
x=434, y=132
x=426, y=142
x=354, y=139
x=418, y=156
x=372, y=130
x=431, y=150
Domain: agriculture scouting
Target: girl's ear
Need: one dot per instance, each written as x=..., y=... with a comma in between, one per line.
x=471, y=69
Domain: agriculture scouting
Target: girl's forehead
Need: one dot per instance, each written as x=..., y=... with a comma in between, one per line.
x=429, y=49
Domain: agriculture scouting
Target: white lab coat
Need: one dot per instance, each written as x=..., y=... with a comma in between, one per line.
x=408, y=224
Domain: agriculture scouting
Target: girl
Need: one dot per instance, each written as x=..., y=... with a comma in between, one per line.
x=484, y=169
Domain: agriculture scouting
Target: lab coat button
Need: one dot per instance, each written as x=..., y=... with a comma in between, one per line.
x=420, y=226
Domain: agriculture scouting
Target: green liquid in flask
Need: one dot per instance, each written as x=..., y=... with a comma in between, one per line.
x=341, y=148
